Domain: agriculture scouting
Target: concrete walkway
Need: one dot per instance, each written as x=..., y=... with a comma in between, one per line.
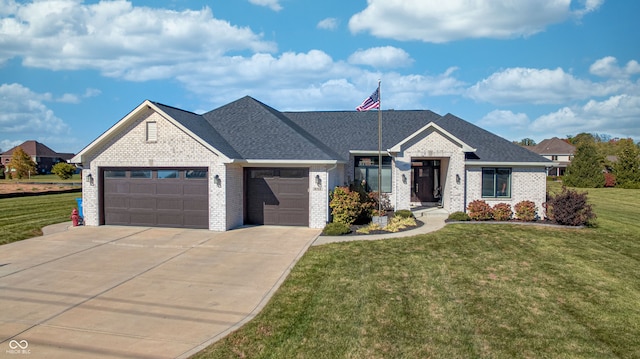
x=432, y=218
x=138, y=292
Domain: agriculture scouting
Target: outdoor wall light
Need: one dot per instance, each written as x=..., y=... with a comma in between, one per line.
x=318, y=181
x=90, y=178
x=404, y=178
x=217, y=180
x=457, y=178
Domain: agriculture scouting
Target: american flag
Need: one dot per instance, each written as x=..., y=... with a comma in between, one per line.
x=370, y=102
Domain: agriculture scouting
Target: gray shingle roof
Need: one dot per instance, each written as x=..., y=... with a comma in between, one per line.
x=257, y=131
x=351, y=130
x=249, y=129
x=199, y=126
x=489, y=147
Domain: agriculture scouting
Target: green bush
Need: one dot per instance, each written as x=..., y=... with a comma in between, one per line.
x=526, y=211
x=403, y=213
x=459, y=216
x=336, y=229
x=345, y=205
x=502, y=212
x=480, y=210
x=63, y=170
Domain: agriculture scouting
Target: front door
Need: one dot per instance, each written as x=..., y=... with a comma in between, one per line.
x=425, y=180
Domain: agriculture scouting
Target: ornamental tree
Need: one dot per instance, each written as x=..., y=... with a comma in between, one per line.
x=21, y=164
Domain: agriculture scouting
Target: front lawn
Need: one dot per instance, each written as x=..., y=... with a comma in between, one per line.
x=24, y=217
x=488, y=291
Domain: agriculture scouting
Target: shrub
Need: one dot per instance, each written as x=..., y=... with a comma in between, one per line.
x=345, y=205
x=398, y=223
x=370, y=204
x=480, y=210
x=63, y=170
x=526, y=211
x=459, y=216
x=336, y=229
x=570, y=208
x=403, y=213
x=502, y=212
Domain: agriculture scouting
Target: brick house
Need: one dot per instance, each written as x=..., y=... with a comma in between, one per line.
x=247, y=163
x=559, y=151
x=43, y=156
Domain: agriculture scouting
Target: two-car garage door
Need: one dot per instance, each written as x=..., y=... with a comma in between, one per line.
x=156, y=197
x=170, y=197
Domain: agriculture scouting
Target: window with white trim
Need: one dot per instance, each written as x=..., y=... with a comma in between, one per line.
x=496, y=182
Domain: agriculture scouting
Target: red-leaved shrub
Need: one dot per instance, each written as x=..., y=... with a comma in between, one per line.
x=502, y=212
x=480, y=211
x=526, y=211
x=570, y=208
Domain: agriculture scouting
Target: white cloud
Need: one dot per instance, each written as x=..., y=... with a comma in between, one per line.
x=608, y=67
x=24, y=113
x=538, y=86
x=502, y=119
x=329, y=23
x=272, y=4
x=384, y=57
x=438, y=21
x=117, y=38
x=617, y=116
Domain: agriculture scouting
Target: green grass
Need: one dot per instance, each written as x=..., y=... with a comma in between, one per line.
x=24, y=217
x=466, y=291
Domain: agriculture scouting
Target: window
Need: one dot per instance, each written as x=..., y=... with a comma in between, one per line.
x=141, y=174
x=115, y=174
x=366, y=170
x=554, y=157
x=195, y=174
x=496, y=182
x=164, y=174
x=152, y=131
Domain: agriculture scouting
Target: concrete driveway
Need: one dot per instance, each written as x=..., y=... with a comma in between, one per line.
x=138, y=292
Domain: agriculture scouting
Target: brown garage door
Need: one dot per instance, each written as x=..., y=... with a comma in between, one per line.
x=277, y=196
x=155, y=197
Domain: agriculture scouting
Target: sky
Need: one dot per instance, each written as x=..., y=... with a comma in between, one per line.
x=71, y=69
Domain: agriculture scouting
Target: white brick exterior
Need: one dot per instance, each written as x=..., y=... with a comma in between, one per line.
x=431, y=145
x=126, y=146
x=174, y=148
x=527, y=184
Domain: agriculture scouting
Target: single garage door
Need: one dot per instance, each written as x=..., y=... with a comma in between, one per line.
x=277, y=196
x=155, y=197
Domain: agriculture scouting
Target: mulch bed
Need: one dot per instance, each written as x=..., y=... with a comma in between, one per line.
x=355, y=227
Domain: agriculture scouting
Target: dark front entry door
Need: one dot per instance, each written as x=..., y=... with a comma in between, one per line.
x=425, y=182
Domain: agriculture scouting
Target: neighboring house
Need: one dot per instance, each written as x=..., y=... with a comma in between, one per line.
x=247, y=163
x=43, y=156
x=559, y=151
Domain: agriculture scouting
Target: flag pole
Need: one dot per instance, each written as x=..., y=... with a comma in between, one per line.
x=379, y=150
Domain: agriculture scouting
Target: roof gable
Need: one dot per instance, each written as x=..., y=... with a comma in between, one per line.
x=553, y=146
x=34, y=148
x=183, y=117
